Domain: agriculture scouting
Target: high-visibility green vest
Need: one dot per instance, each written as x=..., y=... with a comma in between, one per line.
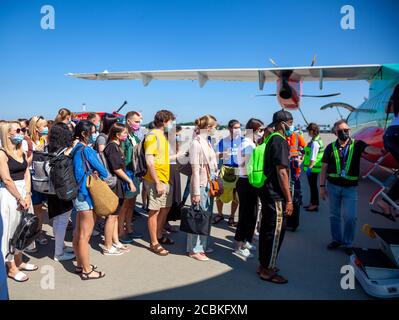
x=317, y=164
x=256, y=164
x=343, y=173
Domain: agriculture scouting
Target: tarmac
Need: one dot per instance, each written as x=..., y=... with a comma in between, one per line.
x=313, y=271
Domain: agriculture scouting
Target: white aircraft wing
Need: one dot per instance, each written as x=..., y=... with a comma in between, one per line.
x=260, y=75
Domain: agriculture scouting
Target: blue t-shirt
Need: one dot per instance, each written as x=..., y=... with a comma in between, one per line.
x=230, y=148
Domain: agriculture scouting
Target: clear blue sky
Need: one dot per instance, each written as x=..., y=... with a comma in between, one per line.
x=120, y=35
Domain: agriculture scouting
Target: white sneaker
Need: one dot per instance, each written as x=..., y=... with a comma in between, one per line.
x=244, y=253
x=31, y=248
x=68, y=249
x=64, y=257
x=249, y=246
x=95, y=233
x=112, y=252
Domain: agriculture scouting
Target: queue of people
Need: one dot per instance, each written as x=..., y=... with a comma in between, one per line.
x=108, y=149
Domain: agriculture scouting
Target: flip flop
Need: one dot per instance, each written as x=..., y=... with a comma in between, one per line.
x=29, y=267
x=20, y=277
x=274, y=278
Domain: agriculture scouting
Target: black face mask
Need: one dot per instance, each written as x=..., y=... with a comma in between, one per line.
x=342, y=135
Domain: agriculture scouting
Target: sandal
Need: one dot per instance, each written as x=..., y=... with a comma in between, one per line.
x=19, y=277
x=28, y=267
x=274, y=278
x=231, y=222
x=79, y=270
x=159, y=250
x=260, y=269
x=166, y=241
x=217, y=219
x=86, y=276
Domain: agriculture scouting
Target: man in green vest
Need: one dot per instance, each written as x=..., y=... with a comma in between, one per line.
x=341, y=161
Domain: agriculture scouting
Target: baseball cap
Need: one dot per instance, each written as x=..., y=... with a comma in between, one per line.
x=280, y=116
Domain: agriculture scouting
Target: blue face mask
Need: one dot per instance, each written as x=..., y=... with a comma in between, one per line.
x=169, y=127
x=93, y=138
x=44, y=132
x=17, y=139
x=97, y=127
x=178, y=139
x=290, y=131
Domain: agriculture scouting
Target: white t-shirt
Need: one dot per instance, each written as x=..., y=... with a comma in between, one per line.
x=244, y=152
x=314, y=150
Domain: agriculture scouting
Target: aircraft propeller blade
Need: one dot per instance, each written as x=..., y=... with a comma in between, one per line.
x=320, y=96
x=313, y=61
x=273, y=62
x=266, y=95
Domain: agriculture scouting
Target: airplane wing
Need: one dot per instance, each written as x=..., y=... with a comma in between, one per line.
x=260, y=75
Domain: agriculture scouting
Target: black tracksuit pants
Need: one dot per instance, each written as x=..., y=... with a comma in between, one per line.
x=272, y=230
x=247, y=214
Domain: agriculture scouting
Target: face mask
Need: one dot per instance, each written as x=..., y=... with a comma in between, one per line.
x=44, y=132
x=135, y=126
x=17, y=139
x=93, y=138
x=289, y=131
x=123, y=138
x=258, y=135
x=212, y=132
x=169, y=127
x=97, y=127
x=342, y=135
x=236, y=133
x=178, y=139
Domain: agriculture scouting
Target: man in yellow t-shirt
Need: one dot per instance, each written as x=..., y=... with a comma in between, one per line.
x=156, y=181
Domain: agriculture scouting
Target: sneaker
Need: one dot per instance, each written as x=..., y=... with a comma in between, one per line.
x=112, y=252
x=135, y=235
x=249, y=246
x=95, y=233
x=68, y=249
x=199, y=256
x=64, y=257
x=126, y=239
x=348, y=251
x=31, y=248
x=334, y=245
x=244, y=253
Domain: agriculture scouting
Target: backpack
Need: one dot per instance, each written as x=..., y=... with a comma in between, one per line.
x=62, y=177
x=27, y=231
x=256, y=164
x=139, y=160
x=41, y=173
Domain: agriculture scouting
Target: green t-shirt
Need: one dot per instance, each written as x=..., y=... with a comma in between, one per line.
x=128, y=149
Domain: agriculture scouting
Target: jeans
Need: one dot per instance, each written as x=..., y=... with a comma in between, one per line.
x=60, y=224
x=197, y=243
x=343, y=203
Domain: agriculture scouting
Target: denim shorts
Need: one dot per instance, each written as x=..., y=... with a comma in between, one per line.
x=38, y=198
x=80, y=204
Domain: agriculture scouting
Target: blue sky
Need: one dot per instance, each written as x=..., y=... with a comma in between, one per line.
x=117, y=35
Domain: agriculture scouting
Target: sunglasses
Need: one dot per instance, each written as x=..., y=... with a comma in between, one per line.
x=19, y=130
x=344, y=130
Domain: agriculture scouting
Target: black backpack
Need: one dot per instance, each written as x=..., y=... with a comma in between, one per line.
x=27, y=231
x=139, y=160
x=62, y=176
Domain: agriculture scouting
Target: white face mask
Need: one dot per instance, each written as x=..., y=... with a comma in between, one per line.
x=258, y=135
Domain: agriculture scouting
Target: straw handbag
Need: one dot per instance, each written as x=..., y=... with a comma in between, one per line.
x=105, y=201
